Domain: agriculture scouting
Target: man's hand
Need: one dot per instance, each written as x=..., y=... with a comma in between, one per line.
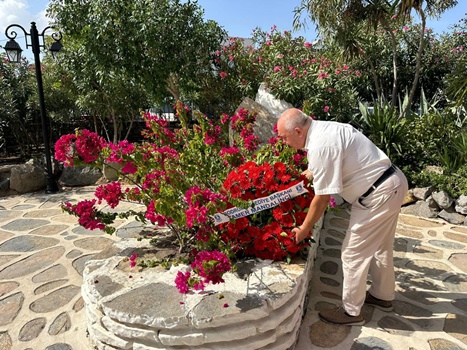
x=318, y=205
x=308, y=174
x=300, y=234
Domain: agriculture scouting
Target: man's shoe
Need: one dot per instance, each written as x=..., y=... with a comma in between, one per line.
x=338, y=316
x=383, y=305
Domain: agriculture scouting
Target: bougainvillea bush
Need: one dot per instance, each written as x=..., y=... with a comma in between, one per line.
x=182, y=177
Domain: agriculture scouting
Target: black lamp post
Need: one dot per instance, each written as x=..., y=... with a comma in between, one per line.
x=13, y=51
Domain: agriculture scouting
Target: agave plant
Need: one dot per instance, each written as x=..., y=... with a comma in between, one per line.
x=384, y=126
x=455, y=152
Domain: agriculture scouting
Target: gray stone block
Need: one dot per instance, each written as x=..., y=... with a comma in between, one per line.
x=451, y=216
x=79, y=176
x=424, y=210
x=461, y=204
x=28, y=177
x=443, y=199
x=422, y=193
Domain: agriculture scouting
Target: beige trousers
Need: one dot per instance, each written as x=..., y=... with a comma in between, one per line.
x=368, y=244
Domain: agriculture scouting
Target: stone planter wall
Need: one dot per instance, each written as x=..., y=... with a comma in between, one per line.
x=259, y=307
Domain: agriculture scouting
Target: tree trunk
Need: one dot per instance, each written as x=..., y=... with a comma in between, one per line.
x=389, y=30
x=129, y=128
x=115, y=126
x=394, y=69
x=375, y=77
x=173, y=87
x=418, y=64
x=94, y=118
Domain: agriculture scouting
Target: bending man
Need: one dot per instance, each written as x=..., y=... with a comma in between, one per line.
x=342, y=160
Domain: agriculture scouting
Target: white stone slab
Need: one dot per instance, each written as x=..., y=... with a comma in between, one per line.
x=275, y=106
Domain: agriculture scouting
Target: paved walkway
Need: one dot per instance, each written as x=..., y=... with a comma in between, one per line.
x=43, y=252
x=430, y=310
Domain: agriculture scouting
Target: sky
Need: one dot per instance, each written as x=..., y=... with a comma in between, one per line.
x=238, y=17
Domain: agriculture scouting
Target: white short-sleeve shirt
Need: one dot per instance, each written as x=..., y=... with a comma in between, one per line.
x=342, y=160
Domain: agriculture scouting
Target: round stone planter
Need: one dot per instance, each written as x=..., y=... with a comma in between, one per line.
x=260, y=306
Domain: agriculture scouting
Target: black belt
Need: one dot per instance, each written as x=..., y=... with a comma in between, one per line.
x=391, y=170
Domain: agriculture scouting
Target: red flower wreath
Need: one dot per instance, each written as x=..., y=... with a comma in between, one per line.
x=266, y=234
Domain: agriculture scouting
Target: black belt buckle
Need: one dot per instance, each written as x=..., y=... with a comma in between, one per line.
x=388, y=172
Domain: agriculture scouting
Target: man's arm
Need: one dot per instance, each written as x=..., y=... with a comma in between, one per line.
x=317, y=207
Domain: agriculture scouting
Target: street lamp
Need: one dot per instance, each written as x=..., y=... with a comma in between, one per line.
x=13, y=51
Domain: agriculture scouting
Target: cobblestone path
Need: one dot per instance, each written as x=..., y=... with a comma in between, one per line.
x=430, y=310
x=42, y=257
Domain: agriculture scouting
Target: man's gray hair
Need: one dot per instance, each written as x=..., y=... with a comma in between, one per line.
x=294, y=118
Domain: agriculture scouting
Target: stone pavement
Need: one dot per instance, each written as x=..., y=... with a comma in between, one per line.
x=430, y=309
x=43, y=252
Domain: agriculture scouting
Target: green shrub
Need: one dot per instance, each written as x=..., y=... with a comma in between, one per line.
x=454, y=183
x=430, y=140
x=434, y=138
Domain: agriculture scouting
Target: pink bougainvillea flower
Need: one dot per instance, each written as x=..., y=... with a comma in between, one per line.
x=65, y=149
x=129, y=168
x=211, y=266
x=212, y=135
x=154, y=217
x=132, y=259
x=111, y=193
x=119, y=150
x=181, y=282
x=88, y=145
x=86, y=212
x=197, y=199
